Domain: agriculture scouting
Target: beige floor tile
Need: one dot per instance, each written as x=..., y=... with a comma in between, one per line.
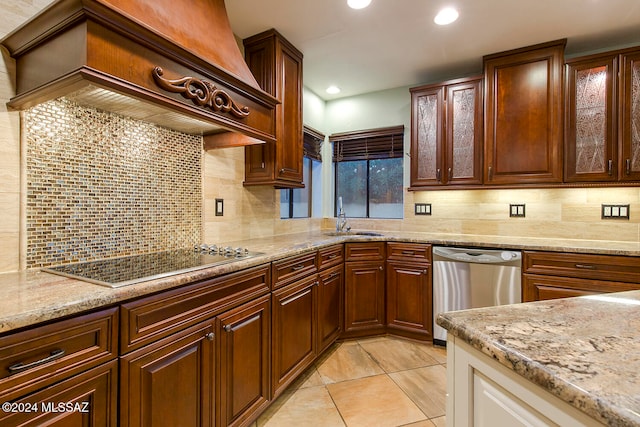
x=303, y=407
x=424, y=423
x=347, y=362
x=311, y=378
x=398, y=355
x=439, y=422
x=437, y=352
x=427, y=387
x=374, y=401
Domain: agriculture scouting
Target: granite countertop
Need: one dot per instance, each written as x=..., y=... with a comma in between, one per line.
x=31, y=297
x=585, y=351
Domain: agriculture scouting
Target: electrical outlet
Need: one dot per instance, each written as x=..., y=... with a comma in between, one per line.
x=516, y=210
x=615, y=212
x=422, y=208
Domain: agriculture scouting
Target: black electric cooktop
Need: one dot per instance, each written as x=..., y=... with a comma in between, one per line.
x=128, y=270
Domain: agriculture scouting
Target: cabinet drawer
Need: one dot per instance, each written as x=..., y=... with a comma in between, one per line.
x=41, y=356
x=291, y=269
x=536, y=288
x=365, y=251
x=330, y=256
x=148, y=319
x=598, y=267
x=409, y=252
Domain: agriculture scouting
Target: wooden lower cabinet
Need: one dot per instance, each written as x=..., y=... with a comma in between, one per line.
x=364, y=298
x=409, y=299
x=170, y=382
x=88, y=399
x=330, y=306
x=245, y=348
x=294, y=331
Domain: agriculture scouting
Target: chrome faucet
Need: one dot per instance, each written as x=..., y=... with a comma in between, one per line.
x=341, y=221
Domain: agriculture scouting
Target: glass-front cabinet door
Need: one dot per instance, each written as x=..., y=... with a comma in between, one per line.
x=630, y=115
x=590, y=127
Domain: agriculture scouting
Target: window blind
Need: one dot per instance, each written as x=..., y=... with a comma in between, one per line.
x=380, y=143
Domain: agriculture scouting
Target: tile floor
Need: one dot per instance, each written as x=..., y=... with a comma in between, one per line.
x=380, y=381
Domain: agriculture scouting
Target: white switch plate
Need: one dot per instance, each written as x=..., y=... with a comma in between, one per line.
x=219, y=207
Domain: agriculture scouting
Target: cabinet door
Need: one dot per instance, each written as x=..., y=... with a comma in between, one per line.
x=590, y=129
x=244, y=361
x=88, y=399
x=630, y=115
x=427, y=133
x=409, y=298
x=330, y=306
x=364, y=297
x=289, y=148
x=170, y=382
x=523, y=113
x=464, y=133
x=294, y=332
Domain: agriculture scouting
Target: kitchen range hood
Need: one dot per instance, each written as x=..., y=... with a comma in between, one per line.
x=175, y=63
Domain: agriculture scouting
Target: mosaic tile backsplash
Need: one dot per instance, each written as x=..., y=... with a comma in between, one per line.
x=101, y=185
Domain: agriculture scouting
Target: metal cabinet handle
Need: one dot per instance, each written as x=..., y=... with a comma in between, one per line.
x=408, y=253
x=438, y=174
x=628, y=167
x=586, y=266
x=490, y=173
x=19, y=367
x=381, y=268
x=297, y=267
x=281, y=171
x=227, y=328
x=450, y=174
x=210, y=336
x=610, y=171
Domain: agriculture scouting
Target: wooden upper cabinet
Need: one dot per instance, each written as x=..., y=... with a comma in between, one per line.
x=590, y=129
x=602, y=121
x=523, y=115
x=630, y=115
x=277, y=66
x=446, y=133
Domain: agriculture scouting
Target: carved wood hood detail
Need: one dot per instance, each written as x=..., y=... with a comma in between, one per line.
x=147, y=59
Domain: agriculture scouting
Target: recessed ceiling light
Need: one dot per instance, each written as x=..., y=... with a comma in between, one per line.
x=358, y=4
x=446, y=16
x=333, y=90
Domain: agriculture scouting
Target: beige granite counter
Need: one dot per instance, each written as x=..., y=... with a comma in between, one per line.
x=27, y=298
x=585, y=351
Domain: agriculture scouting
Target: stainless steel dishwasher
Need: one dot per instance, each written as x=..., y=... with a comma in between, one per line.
x=470, y=278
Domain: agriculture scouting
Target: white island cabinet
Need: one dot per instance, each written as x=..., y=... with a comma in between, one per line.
x=483, y=393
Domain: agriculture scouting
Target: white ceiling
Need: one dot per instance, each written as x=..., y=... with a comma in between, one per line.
x=394, y=43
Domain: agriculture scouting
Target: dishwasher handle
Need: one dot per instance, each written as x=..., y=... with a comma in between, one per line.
x=476, y=256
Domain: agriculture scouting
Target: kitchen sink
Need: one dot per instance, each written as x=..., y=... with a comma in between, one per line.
x=353, y=233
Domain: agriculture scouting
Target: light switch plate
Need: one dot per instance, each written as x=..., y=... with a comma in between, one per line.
x=422, y=208
x=516, y=210
x=219, y=207
x=615, y=212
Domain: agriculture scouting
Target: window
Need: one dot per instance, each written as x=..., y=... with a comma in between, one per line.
x=369, y=172
x=305, y=202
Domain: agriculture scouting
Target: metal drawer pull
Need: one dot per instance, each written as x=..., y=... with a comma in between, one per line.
x=586, y=266
x=333, y=256
x=19, y=367
x=408, y=253
x=210, y=336
x=228, y=328
x=297, y=267
x=628, y=168
x=610, y=171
